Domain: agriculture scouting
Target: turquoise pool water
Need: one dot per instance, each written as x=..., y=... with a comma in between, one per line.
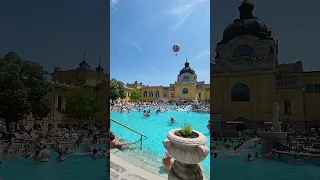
x=230, y=166
x=75, y=167
x=156, y=127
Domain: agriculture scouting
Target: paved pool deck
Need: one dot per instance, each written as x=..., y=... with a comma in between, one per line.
x=121, y=169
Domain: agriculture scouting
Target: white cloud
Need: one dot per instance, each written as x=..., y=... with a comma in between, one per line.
x=202, y=55
x=114, y=2
x=113, y=5
x=181, y=13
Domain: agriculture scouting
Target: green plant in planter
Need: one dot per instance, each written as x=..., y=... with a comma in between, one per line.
x=186, y=130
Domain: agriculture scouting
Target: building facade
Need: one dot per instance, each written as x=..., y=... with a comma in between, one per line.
x=247, y=77
x=82, y=77
x=186, y=88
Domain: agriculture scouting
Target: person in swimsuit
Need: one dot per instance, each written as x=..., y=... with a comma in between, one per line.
x=114, y=143
x=94, y=154
x=60, y=157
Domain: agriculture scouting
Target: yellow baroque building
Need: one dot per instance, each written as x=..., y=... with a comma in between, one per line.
x=247, y=78
x=186, y=88
x=81, y=77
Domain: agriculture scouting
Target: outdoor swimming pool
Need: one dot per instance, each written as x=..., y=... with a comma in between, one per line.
x=230, y=166
x=156, y=127
x=75, y=167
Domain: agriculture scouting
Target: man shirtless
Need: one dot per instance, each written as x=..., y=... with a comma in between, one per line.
x=114, y=143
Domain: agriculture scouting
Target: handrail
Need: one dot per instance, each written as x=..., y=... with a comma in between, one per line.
x=128, y=128
x=131, y=130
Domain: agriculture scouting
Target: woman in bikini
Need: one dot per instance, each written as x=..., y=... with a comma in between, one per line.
x=114, y=143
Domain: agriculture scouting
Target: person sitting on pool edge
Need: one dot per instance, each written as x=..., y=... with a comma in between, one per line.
x=167, y=161
x=114, y=143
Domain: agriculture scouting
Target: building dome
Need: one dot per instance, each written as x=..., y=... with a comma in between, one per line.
x=186, y=69
x=246, y=25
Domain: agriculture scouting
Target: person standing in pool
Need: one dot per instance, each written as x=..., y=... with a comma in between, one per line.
x=94, y=154
x=173, y=120
x=60, y=157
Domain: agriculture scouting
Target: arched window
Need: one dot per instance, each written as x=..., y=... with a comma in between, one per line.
x=157, y=94
x=145, y=94
x=59, y=103
x=243, y=50
x=151, y=94
x=240, y=92
x=185, y=90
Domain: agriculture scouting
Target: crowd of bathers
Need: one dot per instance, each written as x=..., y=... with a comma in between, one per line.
x=37, y=144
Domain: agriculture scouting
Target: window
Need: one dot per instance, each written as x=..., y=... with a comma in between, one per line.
x=287, y=106
x=165, y=95
x=207, y=89
x=172, y=95
x=145, y=94
x=199, y=95
x=240, y=92
x=59, y=103
x=243, y=50
x=157, y=94
x=317, y=88
x=151, y=94
x=309, y=88
x=185, y=90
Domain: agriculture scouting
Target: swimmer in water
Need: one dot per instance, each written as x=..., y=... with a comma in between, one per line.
x=60, y=157
x=77, y=144
x=173, y=120
x=249, y=157
x=89, y=149
x=94, y=154
x=66, y=150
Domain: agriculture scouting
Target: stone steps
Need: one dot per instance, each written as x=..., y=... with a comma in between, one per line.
x=124, y=168
x=144, y=159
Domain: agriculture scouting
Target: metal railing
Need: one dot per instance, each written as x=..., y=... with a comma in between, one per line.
x=142, y=137
x=311, y=146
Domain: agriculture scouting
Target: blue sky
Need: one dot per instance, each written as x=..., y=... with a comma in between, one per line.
x=143, y=33
x=56, y=32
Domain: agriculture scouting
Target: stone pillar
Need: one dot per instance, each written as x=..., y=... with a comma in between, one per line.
x=188, y=153
x=268, y=139
x=246, y=134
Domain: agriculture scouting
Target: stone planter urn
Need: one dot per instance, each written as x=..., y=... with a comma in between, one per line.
x=188, y=153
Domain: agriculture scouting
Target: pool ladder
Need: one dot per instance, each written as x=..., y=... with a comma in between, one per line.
x=142, y=137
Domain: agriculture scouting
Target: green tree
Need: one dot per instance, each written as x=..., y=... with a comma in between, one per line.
x=81, y=104
x=23, y=87
x=41, y=110
x=135, y=94
x=117, y=89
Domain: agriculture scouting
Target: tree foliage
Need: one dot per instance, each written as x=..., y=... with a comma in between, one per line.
x=117, y=89
x=135, y=94
x=22, y=88
x=82, y=104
